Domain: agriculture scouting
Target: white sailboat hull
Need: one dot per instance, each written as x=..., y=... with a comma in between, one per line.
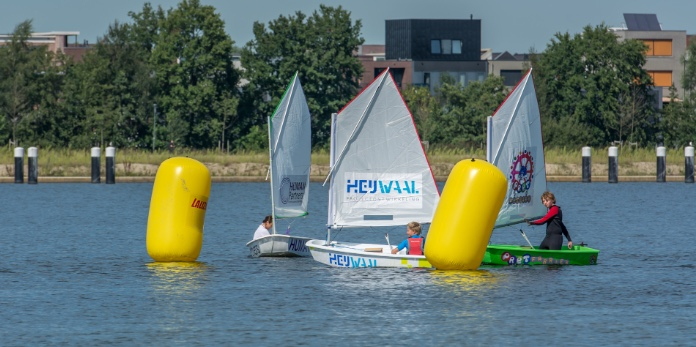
x=279, y=246
x=345, y=254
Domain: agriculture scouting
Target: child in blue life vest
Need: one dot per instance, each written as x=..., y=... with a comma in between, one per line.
x=414, y=243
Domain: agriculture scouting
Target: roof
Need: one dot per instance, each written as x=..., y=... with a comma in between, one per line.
x=57, y=33
x=510, y=57
x=504, y=56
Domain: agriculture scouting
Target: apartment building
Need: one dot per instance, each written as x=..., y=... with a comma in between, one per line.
x=509, y=66
x=419, y=51
x=55, y=41
x=666, y=48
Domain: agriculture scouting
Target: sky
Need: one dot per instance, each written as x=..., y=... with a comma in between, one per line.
x=515, y=26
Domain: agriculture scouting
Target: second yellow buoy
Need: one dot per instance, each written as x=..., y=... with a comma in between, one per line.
x=465, y=216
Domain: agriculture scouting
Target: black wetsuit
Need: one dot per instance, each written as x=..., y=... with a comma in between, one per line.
x=555, y=229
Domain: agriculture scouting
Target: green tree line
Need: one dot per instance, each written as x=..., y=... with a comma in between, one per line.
x=170, y=75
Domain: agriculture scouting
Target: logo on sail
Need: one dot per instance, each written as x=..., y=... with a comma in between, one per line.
x=368, y=190
x=292, y=189
x=521, y=177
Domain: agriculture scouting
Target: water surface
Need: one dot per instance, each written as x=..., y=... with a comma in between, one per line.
x=75, y=271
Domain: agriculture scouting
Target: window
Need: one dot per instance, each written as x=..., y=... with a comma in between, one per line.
x=446, y=46
x=435, y=47
x=511, y=77
x=661, y=78
x=663, y=48
x=398, y=75
x=660, y=48
x=456, y=47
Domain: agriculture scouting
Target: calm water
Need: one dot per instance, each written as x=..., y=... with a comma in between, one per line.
x=75, y=271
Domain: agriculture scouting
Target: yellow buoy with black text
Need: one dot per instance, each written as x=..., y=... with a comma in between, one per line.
x=465, y=216
x=177, y=210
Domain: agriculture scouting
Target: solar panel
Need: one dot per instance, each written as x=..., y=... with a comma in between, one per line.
x=642, y=22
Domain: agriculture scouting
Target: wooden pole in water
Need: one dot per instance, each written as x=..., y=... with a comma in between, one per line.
x=19, y=164
x=689, y=164
x=661, y=164
x=96, y=155
x=586, y=164
x=613, y=164
x=33, y=156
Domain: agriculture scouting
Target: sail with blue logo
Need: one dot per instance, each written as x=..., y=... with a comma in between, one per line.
x=515, y=146
x=290, y=146
x=379, y=173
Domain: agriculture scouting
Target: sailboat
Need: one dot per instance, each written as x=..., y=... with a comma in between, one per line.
x=379, y=177
x=514, y=145
x=290, y=136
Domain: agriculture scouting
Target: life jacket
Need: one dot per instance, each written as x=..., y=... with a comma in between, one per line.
x=415, y=246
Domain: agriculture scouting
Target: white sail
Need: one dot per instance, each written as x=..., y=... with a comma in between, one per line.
x=380, y=175
x=515, y=146
x=290, y=137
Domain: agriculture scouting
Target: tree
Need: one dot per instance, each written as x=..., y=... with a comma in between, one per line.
x=194, y=69
x=112, y=91
x=45, y=125
x=320, y=48
x=103, y=91
x=16, y=75
x=632, y=115
x=678, y=123
x=227, y=107
x=461, y=119
x=31, y=79
x=424, y=108
x=180, y=60
x=583, y=84
x=689, y=63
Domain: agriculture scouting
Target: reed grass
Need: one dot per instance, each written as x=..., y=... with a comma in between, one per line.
x=627, y=156
x=454, y=155
x=565, y=156
x=58, y=162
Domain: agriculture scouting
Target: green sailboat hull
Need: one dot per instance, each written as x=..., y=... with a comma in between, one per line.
x=525, y=255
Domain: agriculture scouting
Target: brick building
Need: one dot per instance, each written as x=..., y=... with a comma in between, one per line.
x=56, y=41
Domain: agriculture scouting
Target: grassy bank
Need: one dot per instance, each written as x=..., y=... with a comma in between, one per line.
x=560, y=161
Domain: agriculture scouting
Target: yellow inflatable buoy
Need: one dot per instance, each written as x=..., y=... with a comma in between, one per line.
x=177, y=210
x=465, y=216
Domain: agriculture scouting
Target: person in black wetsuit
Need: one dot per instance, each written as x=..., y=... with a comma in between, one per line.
x=555, y=229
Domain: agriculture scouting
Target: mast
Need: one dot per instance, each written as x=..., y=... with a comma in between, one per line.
x=332, y=150
x=489, y=136
x=270, y=168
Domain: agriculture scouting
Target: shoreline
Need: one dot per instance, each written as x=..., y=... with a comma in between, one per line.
x=257, y=172
x=225, y=179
